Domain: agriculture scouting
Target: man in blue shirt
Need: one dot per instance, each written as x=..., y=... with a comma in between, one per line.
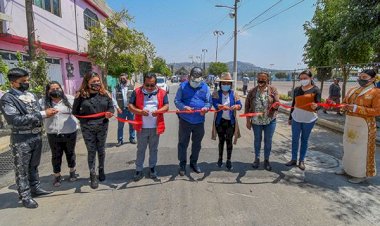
x=193, y=94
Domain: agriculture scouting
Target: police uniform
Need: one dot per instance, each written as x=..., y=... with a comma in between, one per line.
x=23, y=113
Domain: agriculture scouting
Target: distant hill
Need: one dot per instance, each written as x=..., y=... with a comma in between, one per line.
x=242, y=66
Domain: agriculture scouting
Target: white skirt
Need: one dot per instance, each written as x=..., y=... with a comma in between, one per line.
x=355, y=143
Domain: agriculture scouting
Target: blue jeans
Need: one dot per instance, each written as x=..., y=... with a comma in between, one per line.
x=268, y=135
x=120, y=126
x=302, y=130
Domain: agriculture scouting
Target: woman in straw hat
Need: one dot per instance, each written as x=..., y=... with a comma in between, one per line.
x=225, y=122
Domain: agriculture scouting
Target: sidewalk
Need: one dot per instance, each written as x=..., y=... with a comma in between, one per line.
x=330, y=121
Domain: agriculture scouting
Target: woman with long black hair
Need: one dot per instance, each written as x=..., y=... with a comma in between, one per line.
x=61, y=130
x=93, y=98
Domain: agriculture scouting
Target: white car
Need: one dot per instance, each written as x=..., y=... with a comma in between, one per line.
x=161, y=82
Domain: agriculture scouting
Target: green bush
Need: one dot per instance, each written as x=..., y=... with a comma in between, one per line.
x=285, y=97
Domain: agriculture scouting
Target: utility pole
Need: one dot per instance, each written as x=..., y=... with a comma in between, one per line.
x=30, y=28
x=235, y=16
x=204, y=51
x=217, y=34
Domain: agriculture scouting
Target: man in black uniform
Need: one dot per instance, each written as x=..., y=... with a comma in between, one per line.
x=23, y=113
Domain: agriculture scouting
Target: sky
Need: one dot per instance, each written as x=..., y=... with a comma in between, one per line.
x=180, y=29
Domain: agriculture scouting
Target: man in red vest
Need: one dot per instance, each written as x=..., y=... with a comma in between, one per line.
x=148, y=103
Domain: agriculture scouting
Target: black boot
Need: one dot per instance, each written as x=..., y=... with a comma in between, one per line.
x=220, y=162
x=267, y=165
x=94, y=181
x=29, y=203
x=256, y=163
x=102, y=176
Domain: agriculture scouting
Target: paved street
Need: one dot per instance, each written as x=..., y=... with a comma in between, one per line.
x=243, y=196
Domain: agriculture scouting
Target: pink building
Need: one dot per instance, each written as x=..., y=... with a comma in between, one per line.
x=61, y=27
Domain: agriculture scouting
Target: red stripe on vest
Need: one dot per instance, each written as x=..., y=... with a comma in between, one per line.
x=140, y=105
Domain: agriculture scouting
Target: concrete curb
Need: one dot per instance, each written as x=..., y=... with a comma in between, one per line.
x=324, y=123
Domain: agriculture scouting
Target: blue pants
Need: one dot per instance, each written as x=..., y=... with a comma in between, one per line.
x=197, y=131
x=120, y=126
x=302, y=130
x=268, y=135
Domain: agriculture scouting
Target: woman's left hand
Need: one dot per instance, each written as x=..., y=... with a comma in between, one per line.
x=108, y=114
x=314, y=106
x=235, y=107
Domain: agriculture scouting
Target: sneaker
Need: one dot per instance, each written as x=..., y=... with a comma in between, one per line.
x=229, y=165
x=182, y=171
x=291, y=163
x=267, y=165
x=138, y=176
x=220, y=162
x=340, y=172
x=57, y=181
x=356, y=180
x=93, y=181
x=256, y=163
x=133, y=141
x=119, y=143
x=153, y=173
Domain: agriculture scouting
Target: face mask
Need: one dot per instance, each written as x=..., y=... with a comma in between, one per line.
x=305, y=82
x=123, y=82
x=194, y=84
x=262, y=83
x=23, y=86
x=226, y=88
x=95, y=86
x=363, y=82
x=56, y=93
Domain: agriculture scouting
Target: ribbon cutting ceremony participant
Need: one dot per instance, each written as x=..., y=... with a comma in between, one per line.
x=148, y=103
x=120, y=97
x=193, y=94
x=303, y=116
x=93, y=98
x=61, y=130
x=225, y=121
x=263, y=98
x=23, y=112
x=359, y=139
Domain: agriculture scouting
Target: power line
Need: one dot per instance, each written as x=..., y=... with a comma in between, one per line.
x=258, y=16
x=290, y=7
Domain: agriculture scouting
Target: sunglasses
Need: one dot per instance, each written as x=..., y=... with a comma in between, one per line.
x=150, y=85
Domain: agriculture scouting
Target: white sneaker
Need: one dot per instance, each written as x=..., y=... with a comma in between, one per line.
x=340, y=172
x=356, y=180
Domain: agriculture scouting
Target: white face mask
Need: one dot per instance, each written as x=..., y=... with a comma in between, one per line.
x=194, y=84
x=305, y=82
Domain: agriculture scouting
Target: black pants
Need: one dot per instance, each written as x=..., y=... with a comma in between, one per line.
x=196, y=131
x=26, y=150
x=95, y=139
x=225, y=131
x=245, y=87
x=59, y=144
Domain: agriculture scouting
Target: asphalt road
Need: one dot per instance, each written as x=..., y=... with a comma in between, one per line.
x=244, y=196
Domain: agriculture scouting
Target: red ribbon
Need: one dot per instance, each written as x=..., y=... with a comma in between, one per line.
x=102, y=114
x=254, y=114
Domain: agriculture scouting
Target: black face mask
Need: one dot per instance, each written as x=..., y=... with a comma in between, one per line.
x=363, y=82
x=56, y=93
x=23, y=86
x=95, y=87
x=262, y=82
x=123, y=82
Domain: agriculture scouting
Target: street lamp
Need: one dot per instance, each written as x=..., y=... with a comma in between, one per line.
x=204, y=51
x=235, y=15
x=217, y=34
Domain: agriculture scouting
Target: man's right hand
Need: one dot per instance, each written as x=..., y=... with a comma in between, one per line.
x=51, y=112
x=144, y=113
x=187, y=108
x=119, y=111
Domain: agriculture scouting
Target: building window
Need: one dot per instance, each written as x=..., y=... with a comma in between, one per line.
x=53, y=6
x=84, y=67
x=90, y=19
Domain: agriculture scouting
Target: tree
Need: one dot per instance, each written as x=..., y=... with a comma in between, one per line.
x=109, y=49
x=182, y=71
x=217, y=68
x=281, y=75
x=4, y=71
x=160, y=66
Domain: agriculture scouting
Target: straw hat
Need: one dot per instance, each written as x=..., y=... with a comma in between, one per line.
x=226, y=77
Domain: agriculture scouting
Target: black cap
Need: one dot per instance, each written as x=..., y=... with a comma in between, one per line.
x=16, y=73
x=196, y=72
x=369, y=72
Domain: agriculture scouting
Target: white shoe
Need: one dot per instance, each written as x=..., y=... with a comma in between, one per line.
x=356, y=180
x=340, y=172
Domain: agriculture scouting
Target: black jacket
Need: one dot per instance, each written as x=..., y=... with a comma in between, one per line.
x=21, y=115
x=96, y=103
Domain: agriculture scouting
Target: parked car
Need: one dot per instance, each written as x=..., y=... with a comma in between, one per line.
x=161, y=82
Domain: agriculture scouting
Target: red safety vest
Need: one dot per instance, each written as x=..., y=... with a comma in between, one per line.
x=140, y=105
